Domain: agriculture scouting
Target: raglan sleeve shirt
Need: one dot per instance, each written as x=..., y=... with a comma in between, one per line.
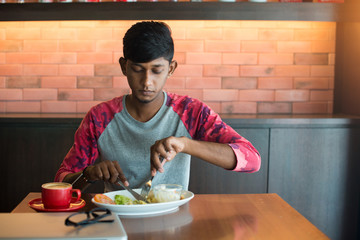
x=205, y=125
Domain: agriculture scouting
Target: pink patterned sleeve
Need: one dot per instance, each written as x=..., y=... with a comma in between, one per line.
x=204, y=124
x=84, y=151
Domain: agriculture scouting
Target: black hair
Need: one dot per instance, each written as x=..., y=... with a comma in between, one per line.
x=148, y=40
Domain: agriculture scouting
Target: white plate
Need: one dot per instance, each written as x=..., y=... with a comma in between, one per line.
x=143, y=209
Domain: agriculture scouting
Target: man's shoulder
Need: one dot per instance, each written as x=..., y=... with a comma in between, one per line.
x=174, y=99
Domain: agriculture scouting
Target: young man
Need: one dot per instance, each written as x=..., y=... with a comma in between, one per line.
x=134, y=136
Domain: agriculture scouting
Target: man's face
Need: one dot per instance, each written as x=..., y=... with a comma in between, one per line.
x=147, y=80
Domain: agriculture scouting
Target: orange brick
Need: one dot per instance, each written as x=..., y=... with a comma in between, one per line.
x=23, y=107
x=204, y=33
x=107, y=70
x=58, y=33
x=11, y=94
x=294, y=46
x=104, y=94
x=203, y=58
x=77, y=46
x=203, y=83
x=239, y=82
x=76, y=70
x=259, y=23
x=221, y=95
x=275, y=83
x=222, y=23
x=292, y=95
x=58, y=82
x=194, y=93
x=240, y=34
x=58, y=106
x=258, y=46
x=94, y=58
x=188, y=71
x=331, y=59
x=23, y=82
x=11, y=45
x=257, y=71
x=94, y=33
x=323, y=71
x=311, y=34
x=2, y=82
x=311, y=58
x=221, y=70
x=323, y=46
x=94, y=82
x=276, y=58
x=174, y=82
x=120, y=82
x=2, y=107
x=41, y=69
x=11, y=69
x=222, y=46
x=77, y=24
x=2, y=35
x=311, y=83
x=84, y=106
x=40, y=46
x=294, y=24
x=292, y=71
x=180, y=57
x=310, y=108
x=22, y=33
x=188, y=46
x=58, y=57
x=238, y=107
x=2, y=58
x=41, y=24
x=276, y=34
x=253, y=95
x=108, y=46
x=76, y=94
x=274, y=107
x=215, y=106
x=240, y=58
x=322, y=95
x=40, y=94
x=22, y=57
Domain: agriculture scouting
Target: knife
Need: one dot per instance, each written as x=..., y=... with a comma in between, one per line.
x=132, y=192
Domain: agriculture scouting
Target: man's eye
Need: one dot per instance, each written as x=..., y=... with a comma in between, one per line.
x=157, y=71
x=137, y=69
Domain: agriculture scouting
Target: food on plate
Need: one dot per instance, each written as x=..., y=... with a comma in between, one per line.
x=101, y=198
x=159, y=194
x=167, y=192
x=124, y=200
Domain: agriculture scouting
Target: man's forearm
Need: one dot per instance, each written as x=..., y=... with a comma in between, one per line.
x=219, y=154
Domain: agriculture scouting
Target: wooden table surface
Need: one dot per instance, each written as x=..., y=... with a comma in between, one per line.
x=217, y=216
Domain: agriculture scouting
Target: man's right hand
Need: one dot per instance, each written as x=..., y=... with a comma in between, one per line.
x=109, y=171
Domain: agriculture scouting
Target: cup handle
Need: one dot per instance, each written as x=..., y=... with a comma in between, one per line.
x=78, y=194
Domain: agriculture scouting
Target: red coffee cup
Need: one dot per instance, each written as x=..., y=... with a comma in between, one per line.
x=58, y=195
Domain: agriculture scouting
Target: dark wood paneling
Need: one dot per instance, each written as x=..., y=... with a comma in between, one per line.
x=317, y=172
x=207, y=178
x=170, y=11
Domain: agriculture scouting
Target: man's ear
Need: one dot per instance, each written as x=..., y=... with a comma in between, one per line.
x=173, y=66
x=122, y=62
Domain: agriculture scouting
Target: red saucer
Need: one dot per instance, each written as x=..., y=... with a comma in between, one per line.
x=39, y=206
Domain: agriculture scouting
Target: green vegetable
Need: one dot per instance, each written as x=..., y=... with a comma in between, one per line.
x=122, y=200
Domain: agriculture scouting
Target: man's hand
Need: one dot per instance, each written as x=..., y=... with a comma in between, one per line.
x=165, y=150
x=107, y=170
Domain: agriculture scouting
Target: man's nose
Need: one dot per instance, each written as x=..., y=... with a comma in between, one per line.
x=148, y=78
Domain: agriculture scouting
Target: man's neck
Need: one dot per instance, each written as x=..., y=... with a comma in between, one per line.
x=143, y=112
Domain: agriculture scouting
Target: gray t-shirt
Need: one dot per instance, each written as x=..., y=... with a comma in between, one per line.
x=124, y=132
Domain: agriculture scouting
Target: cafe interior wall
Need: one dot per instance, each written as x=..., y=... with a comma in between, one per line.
x=235, y=66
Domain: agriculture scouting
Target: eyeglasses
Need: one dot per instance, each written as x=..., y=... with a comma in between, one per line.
x=85, y=218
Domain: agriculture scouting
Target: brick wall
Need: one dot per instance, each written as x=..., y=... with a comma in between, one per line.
x=246, y=67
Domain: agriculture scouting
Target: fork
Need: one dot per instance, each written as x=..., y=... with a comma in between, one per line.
x=147, y=186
